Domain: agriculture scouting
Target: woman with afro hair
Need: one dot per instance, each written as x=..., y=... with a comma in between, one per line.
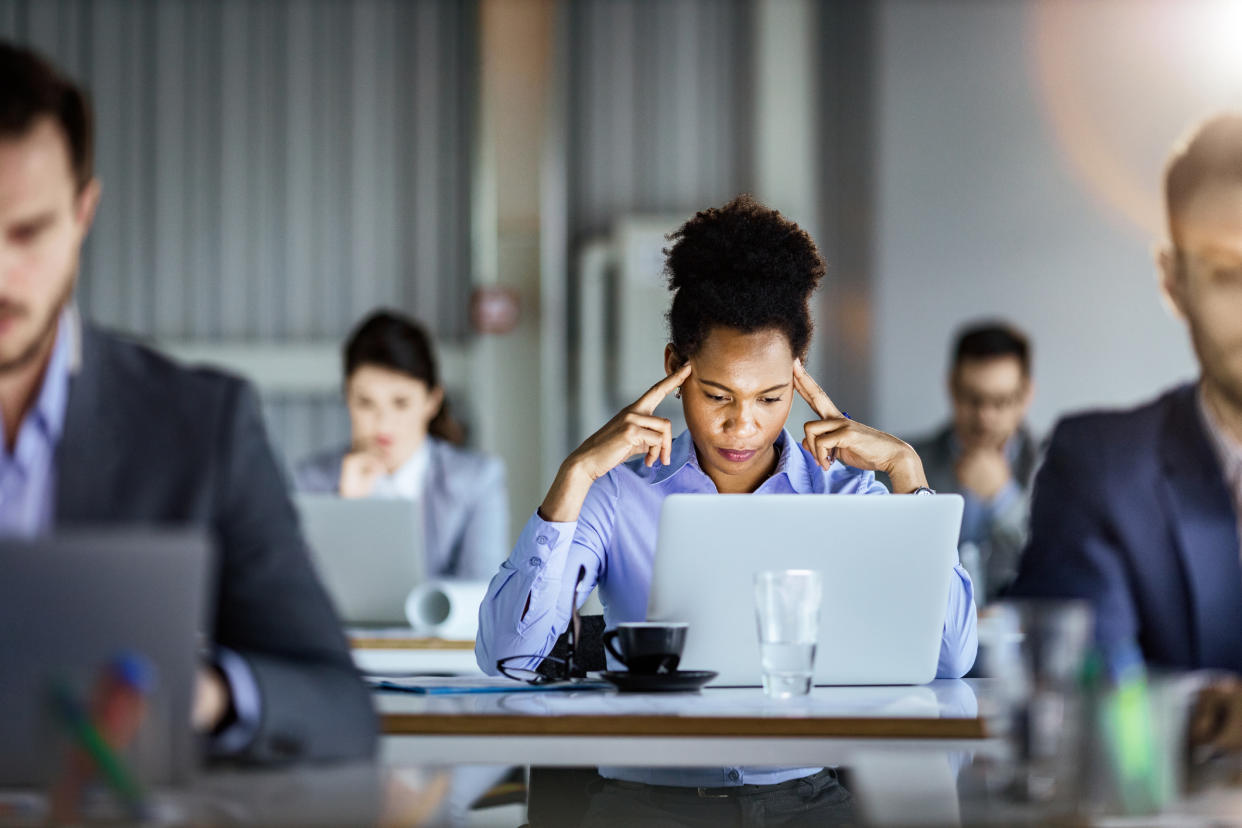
x=740, y=326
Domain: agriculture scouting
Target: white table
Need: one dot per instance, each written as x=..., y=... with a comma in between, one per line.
x=399, y=651
x=903, y=744
x=833, y=725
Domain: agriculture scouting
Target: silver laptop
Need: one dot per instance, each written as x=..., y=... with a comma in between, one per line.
x=369, y=553
x=70, y=605
x=886, y=564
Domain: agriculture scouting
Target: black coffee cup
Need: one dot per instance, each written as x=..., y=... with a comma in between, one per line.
x=648, y=647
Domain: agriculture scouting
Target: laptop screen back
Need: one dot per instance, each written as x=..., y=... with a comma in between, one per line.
x=886, y=564
x=70, y=605
x=369, y=553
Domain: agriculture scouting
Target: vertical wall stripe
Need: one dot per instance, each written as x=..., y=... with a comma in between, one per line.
x=658, y=109
x=272, y=169
x=846, y=109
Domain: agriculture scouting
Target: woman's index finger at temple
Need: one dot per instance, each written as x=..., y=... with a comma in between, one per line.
x=655, y=394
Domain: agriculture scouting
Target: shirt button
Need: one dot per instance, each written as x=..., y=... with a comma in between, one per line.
x=536, y=562
x=542, y=540
x=734, y=775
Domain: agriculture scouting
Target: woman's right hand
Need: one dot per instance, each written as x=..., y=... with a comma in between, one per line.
x=635, y=430
x=359, y=471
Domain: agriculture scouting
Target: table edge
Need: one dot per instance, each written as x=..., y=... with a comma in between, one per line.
x=477, y=724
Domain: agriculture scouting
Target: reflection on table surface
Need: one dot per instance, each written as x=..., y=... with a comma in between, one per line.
x=875, y=781
x=940, y=699
x=894, y=788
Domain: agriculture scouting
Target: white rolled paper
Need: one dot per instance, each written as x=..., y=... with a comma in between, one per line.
x=446, y=609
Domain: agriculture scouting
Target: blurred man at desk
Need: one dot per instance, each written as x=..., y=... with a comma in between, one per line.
x=101, y=431
x=986, y=453
x=1138, y=511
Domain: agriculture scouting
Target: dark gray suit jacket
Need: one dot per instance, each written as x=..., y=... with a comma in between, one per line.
x=1001, y=552
x=148, y=441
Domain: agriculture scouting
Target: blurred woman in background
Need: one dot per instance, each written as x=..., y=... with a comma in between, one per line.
x=404, y=444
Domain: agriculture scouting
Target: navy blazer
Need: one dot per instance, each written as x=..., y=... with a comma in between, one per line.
x=465, y=507
x=1131, y=511
x=147, y=441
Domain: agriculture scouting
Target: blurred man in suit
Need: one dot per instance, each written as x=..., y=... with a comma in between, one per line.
x=98, y=430
x=1138, y=511
x=986, y=453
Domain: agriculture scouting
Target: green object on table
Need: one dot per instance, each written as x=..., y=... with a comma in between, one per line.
x=1130, y=741
x=70, y=713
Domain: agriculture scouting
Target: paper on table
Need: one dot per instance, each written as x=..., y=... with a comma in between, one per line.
x=446, y=609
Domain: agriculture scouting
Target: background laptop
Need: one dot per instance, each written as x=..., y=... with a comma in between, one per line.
x=369, y=553
x=886, y=564
x=68, y=605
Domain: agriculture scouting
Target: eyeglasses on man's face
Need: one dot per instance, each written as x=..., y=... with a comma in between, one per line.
x=970, y=398
x=545, y=669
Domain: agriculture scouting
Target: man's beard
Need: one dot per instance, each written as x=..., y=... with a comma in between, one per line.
x=47, y=332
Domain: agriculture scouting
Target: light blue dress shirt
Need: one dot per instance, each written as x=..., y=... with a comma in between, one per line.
x=614, y=538
x=28, y=472
x=28, y=506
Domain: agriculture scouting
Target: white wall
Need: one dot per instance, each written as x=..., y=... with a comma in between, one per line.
x=986, y=208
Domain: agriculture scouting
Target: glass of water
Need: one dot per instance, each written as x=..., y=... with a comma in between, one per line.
x=787, y=612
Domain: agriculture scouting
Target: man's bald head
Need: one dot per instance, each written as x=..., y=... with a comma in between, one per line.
x=1208, y=159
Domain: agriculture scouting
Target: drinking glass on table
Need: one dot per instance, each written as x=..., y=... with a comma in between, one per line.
x=1037, y=655
x=787, y=613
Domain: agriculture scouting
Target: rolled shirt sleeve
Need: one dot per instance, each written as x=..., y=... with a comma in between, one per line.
x=530, y=600
x=524, y=610
x=959, y=641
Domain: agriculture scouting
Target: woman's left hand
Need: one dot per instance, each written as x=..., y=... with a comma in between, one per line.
x=836, y=436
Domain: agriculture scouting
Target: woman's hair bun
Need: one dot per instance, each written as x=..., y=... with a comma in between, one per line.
x=743, y=245
x=742, y=266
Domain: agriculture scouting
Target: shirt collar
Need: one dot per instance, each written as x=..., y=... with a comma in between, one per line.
x=1228, y=450
x=408, y=480
x=795, y=463
x=791, y=462
x=681, y=455
x=49, y=408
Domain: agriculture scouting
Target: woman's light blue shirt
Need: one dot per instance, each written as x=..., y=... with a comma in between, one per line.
x=615, y=537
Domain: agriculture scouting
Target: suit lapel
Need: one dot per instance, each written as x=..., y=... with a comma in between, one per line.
x=1206, y=530
x=435, y=508
x=1024, y=465
x=88, y=456
x=941, y=467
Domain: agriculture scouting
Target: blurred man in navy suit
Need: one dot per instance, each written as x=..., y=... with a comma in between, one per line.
x=1138, y=511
